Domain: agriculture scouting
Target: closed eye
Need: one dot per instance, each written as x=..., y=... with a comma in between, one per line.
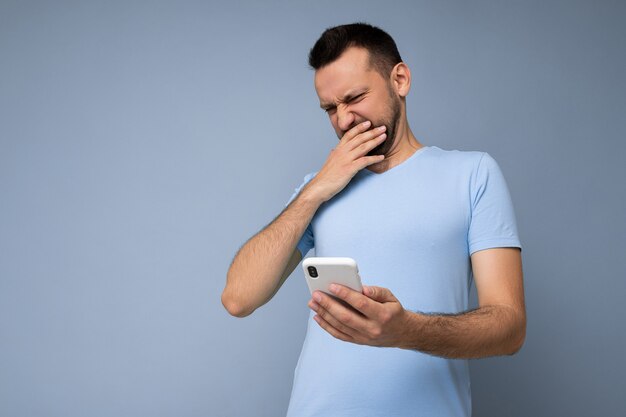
x=353, y=99
x=350, y=100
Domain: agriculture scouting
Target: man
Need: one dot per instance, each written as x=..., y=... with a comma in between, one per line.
x=421, y=222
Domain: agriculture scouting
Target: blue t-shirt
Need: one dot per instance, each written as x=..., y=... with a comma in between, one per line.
x=411, y=229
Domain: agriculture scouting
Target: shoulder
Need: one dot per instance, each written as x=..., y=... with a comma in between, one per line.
x=457, y=160
x=455, y=155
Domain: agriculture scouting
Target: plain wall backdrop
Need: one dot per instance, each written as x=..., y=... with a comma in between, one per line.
x=142, y=143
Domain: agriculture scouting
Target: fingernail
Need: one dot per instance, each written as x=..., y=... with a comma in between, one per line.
x=317, y=297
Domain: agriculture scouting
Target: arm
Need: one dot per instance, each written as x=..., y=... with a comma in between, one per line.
x=497, y=327
x=268, y=258
x=263, y=264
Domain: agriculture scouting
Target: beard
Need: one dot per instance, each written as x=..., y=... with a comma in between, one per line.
x=391, y=123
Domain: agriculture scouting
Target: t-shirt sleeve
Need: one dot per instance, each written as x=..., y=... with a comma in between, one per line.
x=492, y=222
x=307, y=242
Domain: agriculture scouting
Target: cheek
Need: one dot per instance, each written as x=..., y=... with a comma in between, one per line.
x=369, y=109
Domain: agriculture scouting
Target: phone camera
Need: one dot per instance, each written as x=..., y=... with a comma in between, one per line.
x=312, y=271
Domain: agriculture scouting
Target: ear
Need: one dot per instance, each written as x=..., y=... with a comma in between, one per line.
x=401, y=79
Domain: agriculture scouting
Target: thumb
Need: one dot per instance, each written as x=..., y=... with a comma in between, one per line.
x=379, y=294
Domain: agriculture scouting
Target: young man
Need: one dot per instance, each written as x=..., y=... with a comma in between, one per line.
x=421, y=222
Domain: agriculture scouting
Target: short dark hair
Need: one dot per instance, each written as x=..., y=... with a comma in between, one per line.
x=383, y=52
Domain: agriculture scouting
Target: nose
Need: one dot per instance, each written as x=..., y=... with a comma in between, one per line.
x=345, y=118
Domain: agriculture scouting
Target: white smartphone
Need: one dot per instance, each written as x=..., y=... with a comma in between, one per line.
x=320, y=272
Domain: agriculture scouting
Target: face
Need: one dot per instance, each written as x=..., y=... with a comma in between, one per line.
x=350, y=92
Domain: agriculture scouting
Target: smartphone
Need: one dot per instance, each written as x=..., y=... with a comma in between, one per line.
x=320, y=272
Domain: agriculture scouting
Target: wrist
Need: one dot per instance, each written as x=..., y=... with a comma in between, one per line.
x=413, y=323
x=311, y=195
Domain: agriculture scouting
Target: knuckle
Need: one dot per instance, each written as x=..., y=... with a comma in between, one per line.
x=359, y=133
x=376, y=332
x=370, y=134
x=385, y=317
x=364, y=147
x=361, y=304
x=355, y=131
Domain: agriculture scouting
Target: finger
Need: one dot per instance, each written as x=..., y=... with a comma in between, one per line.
x=367, y=136
x=343, y=318
x=360, y=128
x=336, y=322
x=368, y=160
x=380, y=294
x=357, y=300
x=365, y=147
x=333, y=331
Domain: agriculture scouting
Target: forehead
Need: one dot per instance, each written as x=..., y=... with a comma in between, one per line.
x=348, y=71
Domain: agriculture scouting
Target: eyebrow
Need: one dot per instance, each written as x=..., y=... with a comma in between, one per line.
x=349, y=96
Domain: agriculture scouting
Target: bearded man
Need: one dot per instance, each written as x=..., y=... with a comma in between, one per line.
x=422, y=223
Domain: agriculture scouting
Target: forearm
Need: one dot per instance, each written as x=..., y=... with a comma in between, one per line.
x=258, y=266
x=486, y=331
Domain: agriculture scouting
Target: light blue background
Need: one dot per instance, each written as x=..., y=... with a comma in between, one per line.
x=142, y=143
